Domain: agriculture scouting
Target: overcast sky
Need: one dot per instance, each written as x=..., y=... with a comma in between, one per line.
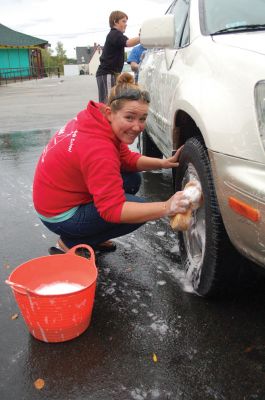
x=75, y=23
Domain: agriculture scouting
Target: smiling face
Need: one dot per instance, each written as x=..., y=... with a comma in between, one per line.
x=128, y=122
x=121, y=24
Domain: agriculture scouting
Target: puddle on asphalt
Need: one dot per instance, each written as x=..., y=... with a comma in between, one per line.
x=139, y=310
x=15, y=144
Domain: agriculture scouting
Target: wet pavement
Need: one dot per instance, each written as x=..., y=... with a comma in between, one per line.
x=149, y=337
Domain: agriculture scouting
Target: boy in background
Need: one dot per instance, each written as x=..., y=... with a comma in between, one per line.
x=112, y=58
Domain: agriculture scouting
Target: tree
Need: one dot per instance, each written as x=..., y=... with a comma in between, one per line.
x=60, y=52
x=47, y=57
x=61, y=55
x=53, y=63
x=50, y=62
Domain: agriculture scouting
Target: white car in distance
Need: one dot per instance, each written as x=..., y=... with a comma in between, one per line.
x=205, y=71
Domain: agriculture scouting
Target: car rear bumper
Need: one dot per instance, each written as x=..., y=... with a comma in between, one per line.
x=243, y=180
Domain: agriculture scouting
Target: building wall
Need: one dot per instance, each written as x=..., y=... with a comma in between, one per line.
x=94, y=62
x=71, y=70
x=15, y=58
x=83, y=54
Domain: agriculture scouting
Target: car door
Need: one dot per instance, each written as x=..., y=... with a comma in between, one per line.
x=163, y=83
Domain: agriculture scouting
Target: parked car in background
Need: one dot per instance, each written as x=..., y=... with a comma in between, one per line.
x=205, y=71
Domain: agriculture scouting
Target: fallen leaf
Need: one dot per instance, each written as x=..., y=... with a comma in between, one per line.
x=15, y=316
x=248, y=349
x=39, y=383
x=154, y=357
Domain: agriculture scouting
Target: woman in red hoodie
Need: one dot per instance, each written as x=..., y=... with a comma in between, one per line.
x=86, y=178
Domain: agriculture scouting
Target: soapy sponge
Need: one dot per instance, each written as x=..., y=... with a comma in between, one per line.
x=193, y=192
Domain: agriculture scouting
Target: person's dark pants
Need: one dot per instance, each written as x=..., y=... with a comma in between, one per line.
x=87, y=227
x=105, y=83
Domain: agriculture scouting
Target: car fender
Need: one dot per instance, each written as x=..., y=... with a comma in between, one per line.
x=221, y=108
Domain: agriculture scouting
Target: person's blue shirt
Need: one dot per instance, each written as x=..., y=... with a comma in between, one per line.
x=136, y=55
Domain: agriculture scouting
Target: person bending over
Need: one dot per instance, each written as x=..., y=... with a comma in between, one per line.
x=134, y=59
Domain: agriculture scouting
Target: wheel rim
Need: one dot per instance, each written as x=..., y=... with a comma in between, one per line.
x=195, y=237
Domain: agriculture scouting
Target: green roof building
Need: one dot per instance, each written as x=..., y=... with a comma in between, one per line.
x=20, y=54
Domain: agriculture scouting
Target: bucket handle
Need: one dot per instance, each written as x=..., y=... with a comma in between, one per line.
x=18, y=288
x=80, y=246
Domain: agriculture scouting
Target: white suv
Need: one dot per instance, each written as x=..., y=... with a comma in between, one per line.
x=205, y=71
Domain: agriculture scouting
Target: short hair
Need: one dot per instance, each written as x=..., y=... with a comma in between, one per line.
x=115, y=16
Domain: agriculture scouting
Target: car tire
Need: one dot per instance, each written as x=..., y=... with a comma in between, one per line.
x=205, y=249
x=147, y=147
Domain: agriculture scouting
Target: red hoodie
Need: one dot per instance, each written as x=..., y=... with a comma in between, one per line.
x=81, y=164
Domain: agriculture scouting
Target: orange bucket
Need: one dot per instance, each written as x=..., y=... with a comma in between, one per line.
x=56, y=293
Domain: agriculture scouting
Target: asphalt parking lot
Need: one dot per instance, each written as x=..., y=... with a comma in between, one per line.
x=149, y=338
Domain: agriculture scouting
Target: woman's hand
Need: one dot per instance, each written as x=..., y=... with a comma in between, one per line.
x=145, y=163
x=178, y=203
x=172, y=162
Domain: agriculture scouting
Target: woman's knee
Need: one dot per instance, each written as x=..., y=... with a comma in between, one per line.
x=131, y=182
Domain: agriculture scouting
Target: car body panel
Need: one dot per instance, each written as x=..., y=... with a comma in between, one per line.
x=212, y=80
x=203, y=87
x=244, y=180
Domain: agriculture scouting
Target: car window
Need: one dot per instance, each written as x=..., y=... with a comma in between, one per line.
x=171, y=7
x=232, y=15
x=180, y=9
x=186, y=33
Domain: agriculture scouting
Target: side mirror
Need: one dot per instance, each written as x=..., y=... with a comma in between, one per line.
x=158, y=32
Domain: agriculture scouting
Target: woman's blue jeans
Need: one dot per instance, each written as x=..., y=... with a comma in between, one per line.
x=86, y=225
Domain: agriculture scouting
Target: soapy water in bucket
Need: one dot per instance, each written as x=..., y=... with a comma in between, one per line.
x=56, y=294
x=58, y=288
